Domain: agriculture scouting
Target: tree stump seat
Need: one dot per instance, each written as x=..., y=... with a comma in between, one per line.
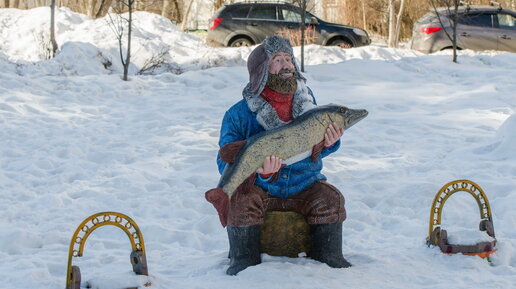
x=285, y=233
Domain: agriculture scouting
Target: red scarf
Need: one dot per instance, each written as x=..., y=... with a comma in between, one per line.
x=281, y=102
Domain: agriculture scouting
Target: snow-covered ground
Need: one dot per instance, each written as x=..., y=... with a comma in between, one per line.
x=76, y=140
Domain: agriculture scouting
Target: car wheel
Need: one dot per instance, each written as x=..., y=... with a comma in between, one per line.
x=341, y=43
x=239, y=42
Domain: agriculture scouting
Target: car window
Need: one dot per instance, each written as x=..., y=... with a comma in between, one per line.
x=239, y=12
x=294, y=16
x=506, y=21
x=263, y=12
x=476, y=19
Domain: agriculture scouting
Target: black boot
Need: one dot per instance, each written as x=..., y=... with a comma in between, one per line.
x=327, y=245
x=244, y=248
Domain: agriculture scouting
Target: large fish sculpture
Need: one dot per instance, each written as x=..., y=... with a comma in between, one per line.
x=301, y=138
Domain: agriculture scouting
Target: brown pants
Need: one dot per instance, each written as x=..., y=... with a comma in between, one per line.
x=320, y=203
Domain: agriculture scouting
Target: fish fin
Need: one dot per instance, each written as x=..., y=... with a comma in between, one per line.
x=229, y=152
x=248, y=184
x=220, y=200
x=317, y=150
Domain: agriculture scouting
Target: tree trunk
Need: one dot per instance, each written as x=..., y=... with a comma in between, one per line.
x=398, y=23
x=6, y=3
x=392, y=24
x=303, y=16
x=364, y=21
x=179, y=11
x=52, y=27
x=171, y=10
x=166, y=8
x=187, y=13
x=454, y=26
x=140, y=6
x=452, y=18
x=91, y=8
x=129, y=30
x=103, y=9
x=218, y=4
x=16, y=4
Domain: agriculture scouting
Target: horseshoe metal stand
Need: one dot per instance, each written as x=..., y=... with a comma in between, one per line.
x=137, y=257
x=439, y=237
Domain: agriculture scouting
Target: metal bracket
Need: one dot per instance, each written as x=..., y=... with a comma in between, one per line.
x=439, y=237
x=137, y=257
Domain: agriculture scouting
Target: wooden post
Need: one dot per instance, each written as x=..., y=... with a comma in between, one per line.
x=285, y=234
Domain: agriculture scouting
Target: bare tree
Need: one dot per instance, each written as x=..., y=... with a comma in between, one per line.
x=217, y=4
x=96, y=8
x=171, y=9
x=373, y=15
x=185, y=17
x=166, y=8
x=155, y=61
x=89, y=7
x=448, y=12
x=364, y=19
x=118, y=23
x=294, y=35
x=398, y=22
x=395, y=22
x=302, y=5
x=52, y=27
x=103, y=8
x=392, y=23
x=139, y=5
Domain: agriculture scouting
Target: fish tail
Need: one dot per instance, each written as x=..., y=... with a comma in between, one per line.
x=220, y=200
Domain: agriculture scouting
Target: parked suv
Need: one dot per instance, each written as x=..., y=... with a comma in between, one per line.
x=478, y=28
x=246, y=24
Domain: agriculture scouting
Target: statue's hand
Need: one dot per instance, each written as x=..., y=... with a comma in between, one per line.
x=271, y=165
x=333, y=134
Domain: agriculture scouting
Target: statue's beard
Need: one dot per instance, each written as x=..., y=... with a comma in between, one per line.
x=282, y=85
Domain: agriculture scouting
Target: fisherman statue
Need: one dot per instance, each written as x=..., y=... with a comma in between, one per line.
x=275, y=96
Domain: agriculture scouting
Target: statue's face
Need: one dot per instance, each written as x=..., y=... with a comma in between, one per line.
x=282, y=61
x=282, y=76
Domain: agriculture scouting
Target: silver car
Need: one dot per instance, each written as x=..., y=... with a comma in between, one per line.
x=478, y=28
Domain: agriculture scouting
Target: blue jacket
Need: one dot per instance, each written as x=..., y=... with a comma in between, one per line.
x=240, y=123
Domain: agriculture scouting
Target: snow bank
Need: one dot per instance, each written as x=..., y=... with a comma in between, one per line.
x=153, y=36
x=506, y=139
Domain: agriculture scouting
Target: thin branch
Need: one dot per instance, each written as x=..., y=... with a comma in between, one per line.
x=448, y=12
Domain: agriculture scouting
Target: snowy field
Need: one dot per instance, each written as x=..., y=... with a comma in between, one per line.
x=76, y=140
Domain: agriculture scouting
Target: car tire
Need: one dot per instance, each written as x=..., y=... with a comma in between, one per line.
x=342, y=43
x=240, y=41
x=450, y=48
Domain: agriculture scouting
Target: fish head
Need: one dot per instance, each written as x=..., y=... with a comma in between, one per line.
x=345, y=117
